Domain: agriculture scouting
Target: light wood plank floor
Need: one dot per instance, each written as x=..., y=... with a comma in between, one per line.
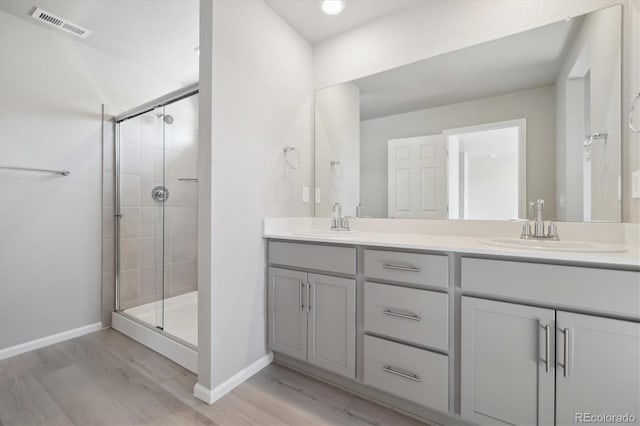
x=105, y=378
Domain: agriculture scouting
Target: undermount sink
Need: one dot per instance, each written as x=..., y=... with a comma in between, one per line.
x=327, y=233
x=550, y=245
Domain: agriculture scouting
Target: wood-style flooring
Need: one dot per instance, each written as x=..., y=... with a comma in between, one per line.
x=105, y=378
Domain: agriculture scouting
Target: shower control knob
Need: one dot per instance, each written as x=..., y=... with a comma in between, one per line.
x=160, y=193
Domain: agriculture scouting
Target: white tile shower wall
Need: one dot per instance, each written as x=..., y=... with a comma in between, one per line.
x=151, y=155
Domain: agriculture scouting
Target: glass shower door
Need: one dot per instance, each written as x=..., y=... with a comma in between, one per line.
x=181, y=219
x=142, y=198
x=158, y=203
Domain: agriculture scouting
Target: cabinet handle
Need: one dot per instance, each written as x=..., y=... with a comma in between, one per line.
x=301, y=302
x=391, y=313
x=410, y=376
x=308, y=298
x=547, y=335
x=566, y=352
x=401, y=268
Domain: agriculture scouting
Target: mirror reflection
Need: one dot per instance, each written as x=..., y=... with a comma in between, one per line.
x=480, y=132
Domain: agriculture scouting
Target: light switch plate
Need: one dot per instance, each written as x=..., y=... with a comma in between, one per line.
x=635, y=184
x=305, y=194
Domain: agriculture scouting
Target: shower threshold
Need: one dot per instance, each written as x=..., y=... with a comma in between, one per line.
x=176, y=341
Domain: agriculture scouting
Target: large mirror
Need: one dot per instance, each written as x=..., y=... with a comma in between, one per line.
x=479, y=132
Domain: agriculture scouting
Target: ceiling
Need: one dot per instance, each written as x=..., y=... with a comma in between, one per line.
x=159, y=35
x=314, y=25
x=518, y=62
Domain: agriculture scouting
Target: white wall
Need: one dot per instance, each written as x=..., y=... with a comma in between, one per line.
x=337, y=138
x=440, y=26
x=257, y=73
x=491, y=187
x=51, y=91
x=536, y=105
x=595, y=49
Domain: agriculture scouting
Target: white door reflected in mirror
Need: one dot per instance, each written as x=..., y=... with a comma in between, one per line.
x=417, y=177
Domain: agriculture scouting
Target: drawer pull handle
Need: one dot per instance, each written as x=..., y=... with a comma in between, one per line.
x=401, y=268
x=410, y=376
x=399, y=315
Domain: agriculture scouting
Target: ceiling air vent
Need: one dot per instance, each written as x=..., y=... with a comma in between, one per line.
x=60, y=23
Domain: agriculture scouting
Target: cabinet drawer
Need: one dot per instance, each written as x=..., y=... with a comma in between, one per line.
x=416, y=316
x=310, y=256
x=606, y=290
x=414, y=268
x=413, y=374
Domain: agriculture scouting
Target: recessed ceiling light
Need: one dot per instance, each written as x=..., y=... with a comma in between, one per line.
x=332, y=7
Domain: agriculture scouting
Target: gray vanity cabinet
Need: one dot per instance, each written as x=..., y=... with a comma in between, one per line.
x=602, y=374
x=332, y=324
x=312, y=318
x=519, y=363
x=287, y=312
x=507, y=369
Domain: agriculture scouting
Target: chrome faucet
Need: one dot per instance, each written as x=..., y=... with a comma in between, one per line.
x=538, y=225
x=339, y=223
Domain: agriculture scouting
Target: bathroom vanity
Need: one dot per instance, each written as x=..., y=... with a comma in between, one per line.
x=452, y=330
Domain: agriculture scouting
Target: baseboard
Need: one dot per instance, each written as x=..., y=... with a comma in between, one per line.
x=212, y=395
x=176, y=352
x=49, y=340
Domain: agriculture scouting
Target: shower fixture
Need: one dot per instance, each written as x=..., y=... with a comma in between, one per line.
x=168, y=118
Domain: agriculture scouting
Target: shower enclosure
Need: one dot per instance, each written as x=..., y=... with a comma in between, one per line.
x=156, y=220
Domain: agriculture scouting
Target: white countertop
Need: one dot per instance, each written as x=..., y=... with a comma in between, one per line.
x=450, y=243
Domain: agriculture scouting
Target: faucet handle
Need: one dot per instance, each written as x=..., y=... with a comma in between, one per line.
x=526, y=231
x=552, y=233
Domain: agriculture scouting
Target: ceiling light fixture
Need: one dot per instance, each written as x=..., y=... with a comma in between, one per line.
x=332, y=7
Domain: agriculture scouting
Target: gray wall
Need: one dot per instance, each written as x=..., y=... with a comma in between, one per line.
x=51, y=92
x=536, y=105
x=598, y=41
x=256, y=73
x=337, y=138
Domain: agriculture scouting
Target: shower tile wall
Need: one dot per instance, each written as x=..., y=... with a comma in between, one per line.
x=141, y=162
x=141, y=168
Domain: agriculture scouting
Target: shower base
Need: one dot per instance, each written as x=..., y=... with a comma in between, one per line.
x=180, y=316
x=179, y=338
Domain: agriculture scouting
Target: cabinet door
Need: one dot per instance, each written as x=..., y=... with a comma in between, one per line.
x=332, y=324
x=287, y=332
x=507, y=368
x=602, y=375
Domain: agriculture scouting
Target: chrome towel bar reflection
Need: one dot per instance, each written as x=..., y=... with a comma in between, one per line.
x=188, y=180
x=31, y=169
